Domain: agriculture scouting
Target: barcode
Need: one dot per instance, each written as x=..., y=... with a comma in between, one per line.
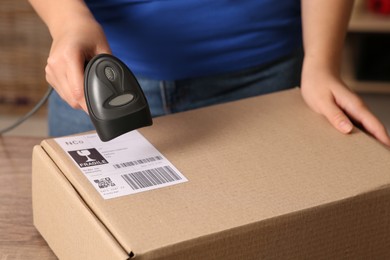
x=151, y=177
x=136, y=162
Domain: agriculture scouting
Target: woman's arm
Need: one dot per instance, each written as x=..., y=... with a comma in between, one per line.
x=324, y=28
x=77, y=37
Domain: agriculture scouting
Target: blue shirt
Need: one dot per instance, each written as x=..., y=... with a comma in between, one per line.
x=176, y=39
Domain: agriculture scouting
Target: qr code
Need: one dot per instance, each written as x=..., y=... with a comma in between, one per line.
x=104, y=183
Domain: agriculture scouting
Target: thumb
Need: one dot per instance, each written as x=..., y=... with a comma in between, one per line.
x=103, y=47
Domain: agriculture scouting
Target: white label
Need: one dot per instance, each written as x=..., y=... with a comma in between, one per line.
x=125, y=165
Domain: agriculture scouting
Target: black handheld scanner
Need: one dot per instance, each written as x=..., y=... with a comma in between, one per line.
x=115, y=100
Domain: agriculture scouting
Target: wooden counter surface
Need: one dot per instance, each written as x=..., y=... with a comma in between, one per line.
x=18, y=237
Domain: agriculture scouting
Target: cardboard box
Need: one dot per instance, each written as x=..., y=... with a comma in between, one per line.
x=267, y=179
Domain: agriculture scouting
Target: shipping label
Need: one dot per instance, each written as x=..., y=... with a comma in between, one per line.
x=125, y=165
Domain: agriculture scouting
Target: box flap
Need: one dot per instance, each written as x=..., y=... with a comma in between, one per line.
x=66, y=223
x=246, y=161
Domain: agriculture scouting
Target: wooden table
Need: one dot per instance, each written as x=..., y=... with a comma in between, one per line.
x=18, y=237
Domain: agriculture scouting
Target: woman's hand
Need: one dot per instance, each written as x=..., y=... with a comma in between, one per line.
x=73, y=45
x=77, y=38
x=324, y=28
x=328, y=95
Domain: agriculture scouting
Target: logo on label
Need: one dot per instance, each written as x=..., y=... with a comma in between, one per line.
x=87, y=157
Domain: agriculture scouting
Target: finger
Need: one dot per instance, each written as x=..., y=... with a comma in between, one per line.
x=56, y=78
x=51, y=78
x=373, y=126
x=361, y=114
x=75, y=77
x=358, y=111
x=336, y=117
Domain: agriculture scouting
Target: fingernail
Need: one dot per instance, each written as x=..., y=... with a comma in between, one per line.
x=345, y=126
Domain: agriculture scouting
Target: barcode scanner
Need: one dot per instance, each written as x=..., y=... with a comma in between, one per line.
x=115, y=101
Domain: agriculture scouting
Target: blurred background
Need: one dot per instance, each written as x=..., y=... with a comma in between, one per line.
x=25, y=44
